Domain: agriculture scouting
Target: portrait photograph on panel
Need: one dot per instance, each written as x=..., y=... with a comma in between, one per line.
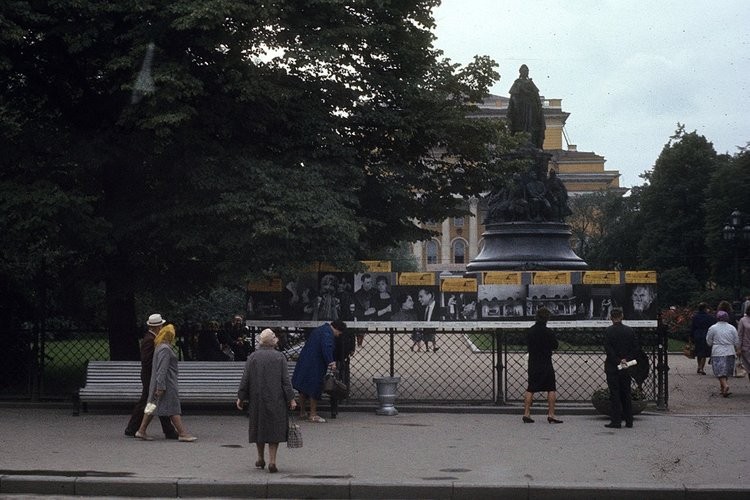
x=405, y=303
x=501, y=302
x=638, y=300
x=373, y=296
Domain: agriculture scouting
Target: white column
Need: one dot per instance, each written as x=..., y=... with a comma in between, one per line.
x=473, y=229
x=417, y=250
x=445, y=243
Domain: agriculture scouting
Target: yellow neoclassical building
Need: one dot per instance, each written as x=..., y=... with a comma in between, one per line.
x=460, y=239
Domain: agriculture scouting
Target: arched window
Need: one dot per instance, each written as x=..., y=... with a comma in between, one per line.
x=432, y=252
x=459, y=250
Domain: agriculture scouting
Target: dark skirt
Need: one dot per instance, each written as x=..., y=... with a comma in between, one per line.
x=541, y=375
x=702, y=350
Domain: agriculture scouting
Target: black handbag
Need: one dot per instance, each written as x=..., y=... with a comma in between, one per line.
x=335, y=387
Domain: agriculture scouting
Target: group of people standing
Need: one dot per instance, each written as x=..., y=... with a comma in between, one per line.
x=621, y=347
x=721, y=340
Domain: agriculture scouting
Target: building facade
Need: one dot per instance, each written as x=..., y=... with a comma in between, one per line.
x=460, y=239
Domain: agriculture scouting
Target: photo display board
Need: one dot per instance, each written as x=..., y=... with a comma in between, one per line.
x=378, y=295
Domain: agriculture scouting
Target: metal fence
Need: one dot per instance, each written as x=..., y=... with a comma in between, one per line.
x=471, y=366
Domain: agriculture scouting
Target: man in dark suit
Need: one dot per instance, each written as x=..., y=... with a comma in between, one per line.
x=430, y=312
x=154, y=324
x=621, y=346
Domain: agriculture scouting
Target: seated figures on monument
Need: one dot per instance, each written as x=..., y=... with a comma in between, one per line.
x=529, y=197
x=525, y=113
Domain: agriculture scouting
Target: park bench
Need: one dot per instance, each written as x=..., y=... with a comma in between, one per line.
x=200, y=383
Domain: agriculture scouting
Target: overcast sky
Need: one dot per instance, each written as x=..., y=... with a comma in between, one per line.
x=626, y=71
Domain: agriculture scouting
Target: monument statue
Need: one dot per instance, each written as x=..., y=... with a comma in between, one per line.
x=525, y=113
x=525, y=226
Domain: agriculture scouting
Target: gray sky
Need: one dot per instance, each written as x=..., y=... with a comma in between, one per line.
x=626, y=71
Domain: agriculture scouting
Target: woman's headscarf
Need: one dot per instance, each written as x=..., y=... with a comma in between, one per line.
x=166, y=335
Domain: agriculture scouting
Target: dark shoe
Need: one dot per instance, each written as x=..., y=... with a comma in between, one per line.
x=527, y=420
x=613, y=426
x=129, y=433
x=629, y=425
x=272, y=468
x=260, y=464
x=553, y=420
x=435, y=349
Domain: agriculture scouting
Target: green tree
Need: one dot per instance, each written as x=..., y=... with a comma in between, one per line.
x=727, y=192
x=673, y=205
x=605, y=229
x=190, y=142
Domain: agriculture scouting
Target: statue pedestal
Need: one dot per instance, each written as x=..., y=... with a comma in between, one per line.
x=519, y=246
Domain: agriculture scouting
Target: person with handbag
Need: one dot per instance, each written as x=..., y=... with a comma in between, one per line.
x=541, y=341
x=724, y=342
x=316, y=357
x=163, y=387
x=700, y=324
x=344, y=347
x=265, y=386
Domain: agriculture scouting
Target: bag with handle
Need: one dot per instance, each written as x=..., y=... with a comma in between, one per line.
x=335, y=387
x=294, y=437
x=689, y=350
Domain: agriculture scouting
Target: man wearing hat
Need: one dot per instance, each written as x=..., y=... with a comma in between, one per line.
x=154, y=323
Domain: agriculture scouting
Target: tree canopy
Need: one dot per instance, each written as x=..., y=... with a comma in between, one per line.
x=159, y=146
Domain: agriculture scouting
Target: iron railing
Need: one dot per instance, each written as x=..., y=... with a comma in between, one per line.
x=470, y=366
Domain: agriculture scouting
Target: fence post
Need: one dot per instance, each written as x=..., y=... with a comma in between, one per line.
x=498, y=351
x=392, y=349
x=662, y=367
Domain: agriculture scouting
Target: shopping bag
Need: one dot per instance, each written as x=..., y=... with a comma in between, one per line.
x=294, y=438
x=335, y=387
x=739, y=370
x=689, y=350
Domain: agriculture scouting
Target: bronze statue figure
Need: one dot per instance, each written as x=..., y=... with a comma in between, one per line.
x=525, y=113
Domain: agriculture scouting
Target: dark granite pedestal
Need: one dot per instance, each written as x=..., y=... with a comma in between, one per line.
x=521, y=246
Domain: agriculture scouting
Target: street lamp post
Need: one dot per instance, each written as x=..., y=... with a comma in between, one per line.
x=735, y=233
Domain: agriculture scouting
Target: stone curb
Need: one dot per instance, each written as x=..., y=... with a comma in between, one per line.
x=301, y=488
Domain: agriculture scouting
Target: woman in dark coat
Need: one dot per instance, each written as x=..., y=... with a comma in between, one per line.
x=702, y=321
x=541, y=342
x=265, y=386
x=315, y=358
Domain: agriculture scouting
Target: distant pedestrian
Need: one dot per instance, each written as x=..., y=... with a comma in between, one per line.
x=540, y=342
x=163, y=388
x=743, y=332
x=724, y=342
x=700, y=324
x=265, y=386
x=621, y=346
x=316, y=357
x=154, y=324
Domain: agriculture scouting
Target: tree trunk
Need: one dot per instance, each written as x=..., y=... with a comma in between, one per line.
x=121, y=318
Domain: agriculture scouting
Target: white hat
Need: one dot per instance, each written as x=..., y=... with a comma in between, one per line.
x=155, y=320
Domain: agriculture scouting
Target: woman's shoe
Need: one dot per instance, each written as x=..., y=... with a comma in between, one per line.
x=272, y=468
x=527, y=420
x=317, y=419
x=187, y=439
x=143, y=436
x=553, y=420
x=260, y=464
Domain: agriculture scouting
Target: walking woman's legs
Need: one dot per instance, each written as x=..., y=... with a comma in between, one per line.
x=528, y=397
x=551, y=399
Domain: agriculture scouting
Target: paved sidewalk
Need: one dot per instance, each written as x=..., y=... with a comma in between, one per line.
x=695, y=450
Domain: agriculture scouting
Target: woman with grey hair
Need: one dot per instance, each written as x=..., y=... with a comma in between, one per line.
x=724, y=341
x=266, y=387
